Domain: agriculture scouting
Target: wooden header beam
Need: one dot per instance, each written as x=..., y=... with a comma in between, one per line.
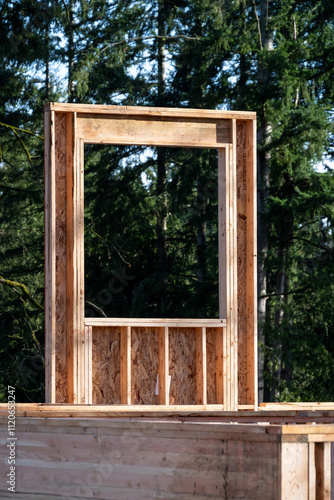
x=68, y=356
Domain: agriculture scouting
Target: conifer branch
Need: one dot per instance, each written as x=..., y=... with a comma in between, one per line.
x=258, y=25
x=14, y=285
x=21, y=130
x=152, y=37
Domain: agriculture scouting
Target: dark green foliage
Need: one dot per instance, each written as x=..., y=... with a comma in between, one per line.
x=275, y=58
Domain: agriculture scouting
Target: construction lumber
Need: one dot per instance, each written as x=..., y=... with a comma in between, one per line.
x=74, y=372
x=177, y=459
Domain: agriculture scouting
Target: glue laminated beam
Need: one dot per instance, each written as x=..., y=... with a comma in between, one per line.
x=164, y=365
x=201, y=378
x=125, y=365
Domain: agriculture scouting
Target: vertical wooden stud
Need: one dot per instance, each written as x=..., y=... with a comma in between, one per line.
x=322, y=465
x=164, y=365
x=220, y=364
x=251, y=257
x=71, y=349
x=126, y=365
x=79, y=248
x=311, y=473
x=201, y=377
x=50, y=257
x=228, y=299
x=233, y=265
x=224, y=270
x=88, y=365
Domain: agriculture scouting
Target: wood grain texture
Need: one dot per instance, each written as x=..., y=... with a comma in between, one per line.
x=182, y=366
x=251, y=285
x=125, y=350
x=163, y=365
x=60, y=236
x=106, y=459
x=156, y=322
x=294, y=471
x=50, y=257
x=242, y=260
x=144, y=365
x=106, y=366
x=211, y=354
x=201, y=364
x=165, y=131
x=147, y=111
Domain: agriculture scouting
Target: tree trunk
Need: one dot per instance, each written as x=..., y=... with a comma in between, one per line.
x=201, y=246
x=70, y=52
x=263, y=136
x=162, y=263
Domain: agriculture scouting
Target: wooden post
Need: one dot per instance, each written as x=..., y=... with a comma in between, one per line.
x=50, y=257
x=88, y=375
x=251, y=258
x=227, y=269
x=125, y=365
x=163, y=365
x=220, y=365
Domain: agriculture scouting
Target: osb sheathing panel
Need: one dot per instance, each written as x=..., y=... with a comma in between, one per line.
x=144, y=365
x=242, y=261
x=211, y=365
x=182, y=366
x=106, y=365
x=60, y=187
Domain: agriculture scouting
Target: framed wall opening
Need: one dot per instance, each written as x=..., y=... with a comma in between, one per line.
x=151, y=233
x=70, y=335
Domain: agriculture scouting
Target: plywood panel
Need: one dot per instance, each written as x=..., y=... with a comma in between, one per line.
x=182, y=366
x=144, y=365
x=106, y=365
x=164, y=131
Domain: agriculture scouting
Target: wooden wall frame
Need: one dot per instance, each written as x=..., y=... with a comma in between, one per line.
x=68, y=355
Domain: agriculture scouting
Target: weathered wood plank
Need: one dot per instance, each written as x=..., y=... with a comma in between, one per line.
x=147, y=111
x=294, y=471
x=156, y=322
x=166, y=131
